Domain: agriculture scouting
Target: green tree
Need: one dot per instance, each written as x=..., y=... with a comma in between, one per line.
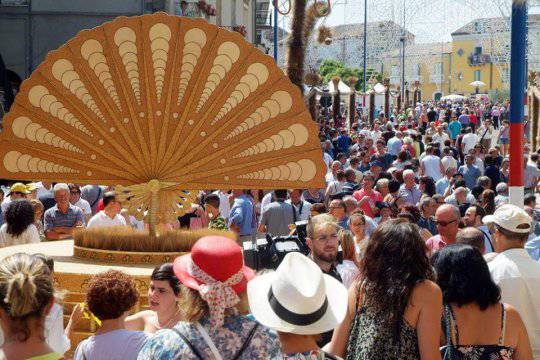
x=331, y=68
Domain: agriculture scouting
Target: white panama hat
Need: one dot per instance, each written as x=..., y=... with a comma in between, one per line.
x=297, y=298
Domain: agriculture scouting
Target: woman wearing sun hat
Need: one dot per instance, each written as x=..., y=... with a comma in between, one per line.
x=299, y=302
x=213, y=300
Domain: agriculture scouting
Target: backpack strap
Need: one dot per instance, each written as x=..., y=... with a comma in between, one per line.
x=246, y=342
x=188, y=343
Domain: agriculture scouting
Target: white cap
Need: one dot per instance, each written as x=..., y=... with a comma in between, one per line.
x=511, y=218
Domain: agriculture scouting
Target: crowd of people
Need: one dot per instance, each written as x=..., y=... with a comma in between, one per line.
x=414, y=253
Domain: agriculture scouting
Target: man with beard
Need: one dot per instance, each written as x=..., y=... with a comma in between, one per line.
x=323, y=241
x=473, y=218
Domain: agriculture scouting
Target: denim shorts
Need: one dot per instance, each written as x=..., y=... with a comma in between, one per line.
x=505, y=141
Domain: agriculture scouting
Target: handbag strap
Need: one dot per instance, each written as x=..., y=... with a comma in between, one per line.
x=213, y=348
x=188, y=343
x=246, y=343
x=208, y=341
x=450, y=323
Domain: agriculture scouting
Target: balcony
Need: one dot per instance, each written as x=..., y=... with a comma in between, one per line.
x=263, y=19
x=479, y=59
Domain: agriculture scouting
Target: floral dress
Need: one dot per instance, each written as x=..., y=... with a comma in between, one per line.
x=310, y=355
x=372, y=339
x=454, y=351
x=228, y=339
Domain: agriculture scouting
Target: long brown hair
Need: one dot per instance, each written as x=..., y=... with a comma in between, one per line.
x=395, y=261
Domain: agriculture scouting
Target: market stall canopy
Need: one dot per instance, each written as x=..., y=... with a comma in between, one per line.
x=454, y=97
x=343, y=88
x=478, y=83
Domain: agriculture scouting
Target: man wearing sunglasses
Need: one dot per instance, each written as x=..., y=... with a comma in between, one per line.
x=447, y=219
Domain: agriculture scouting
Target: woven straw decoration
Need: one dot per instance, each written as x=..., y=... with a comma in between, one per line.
x=161, y=104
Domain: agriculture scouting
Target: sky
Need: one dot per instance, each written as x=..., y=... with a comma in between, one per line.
x=429, y=20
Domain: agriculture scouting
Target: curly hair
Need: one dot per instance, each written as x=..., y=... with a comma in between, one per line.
x=110, y=294
x=411, y=212
x=395, y=261
x=19, y=215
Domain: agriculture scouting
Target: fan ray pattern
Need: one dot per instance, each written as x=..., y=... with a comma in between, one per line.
x=161, y=105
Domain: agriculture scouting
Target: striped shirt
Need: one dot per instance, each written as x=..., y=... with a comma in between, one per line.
x=55, y=218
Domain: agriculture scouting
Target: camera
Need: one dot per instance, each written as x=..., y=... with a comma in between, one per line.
x=268, y=252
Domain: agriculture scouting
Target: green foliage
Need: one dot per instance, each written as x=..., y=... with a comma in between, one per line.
x=331, y=68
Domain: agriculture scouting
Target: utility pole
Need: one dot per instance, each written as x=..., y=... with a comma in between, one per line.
x=275, y=31
x=517, y=93
x=365, y=54
x=403, y=36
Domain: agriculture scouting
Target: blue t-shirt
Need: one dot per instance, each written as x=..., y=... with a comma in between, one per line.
x=344, y=142
x=455, y=129
x=470, y=175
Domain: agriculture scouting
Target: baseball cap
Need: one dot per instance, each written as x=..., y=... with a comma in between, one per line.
x=19, y=188
x=511, y=218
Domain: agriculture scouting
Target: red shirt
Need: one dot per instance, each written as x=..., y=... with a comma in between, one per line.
x=473, y=119
x=373, y=198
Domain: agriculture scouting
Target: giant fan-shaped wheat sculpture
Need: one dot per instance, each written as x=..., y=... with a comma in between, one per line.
x=160, y=104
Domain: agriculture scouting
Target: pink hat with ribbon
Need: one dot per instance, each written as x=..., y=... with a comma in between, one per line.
x=215, y=268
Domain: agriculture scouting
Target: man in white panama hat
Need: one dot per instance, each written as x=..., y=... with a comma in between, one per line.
x=516, y=273
x=299, y=302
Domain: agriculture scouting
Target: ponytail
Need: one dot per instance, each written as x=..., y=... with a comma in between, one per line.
x=26, y=288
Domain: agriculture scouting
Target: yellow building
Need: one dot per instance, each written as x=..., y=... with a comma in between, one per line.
x=479, y=51
x=428, y=63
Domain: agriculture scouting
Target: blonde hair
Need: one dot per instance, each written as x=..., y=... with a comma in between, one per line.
x=26, y=288
x=37, y=205
x=317, y=220
x=194, y=307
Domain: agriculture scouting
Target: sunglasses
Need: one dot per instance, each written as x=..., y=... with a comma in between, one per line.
x=444, y=223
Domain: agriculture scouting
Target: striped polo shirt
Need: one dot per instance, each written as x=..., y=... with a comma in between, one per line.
x=55, y=218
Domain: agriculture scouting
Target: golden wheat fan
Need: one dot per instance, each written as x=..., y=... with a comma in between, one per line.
x=161, y=104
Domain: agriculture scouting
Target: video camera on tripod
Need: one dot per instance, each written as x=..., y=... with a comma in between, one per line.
x=268, y=252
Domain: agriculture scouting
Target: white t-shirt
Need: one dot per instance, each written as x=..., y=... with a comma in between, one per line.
x=303, y=210
x=440, y=138
x=518, y=276
x=28, y=236
x=448, y=162
x=469, y=140
x=114, y=345
x=327, y=160
x=336, y=187
x=432, y=167
x=329, y=177
x=84, y=206
x=103, y=220
x=54, y=331
x=479, y=164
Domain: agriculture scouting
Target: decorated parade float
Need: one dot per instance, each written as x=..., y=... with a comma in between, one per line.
x=159, y=107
